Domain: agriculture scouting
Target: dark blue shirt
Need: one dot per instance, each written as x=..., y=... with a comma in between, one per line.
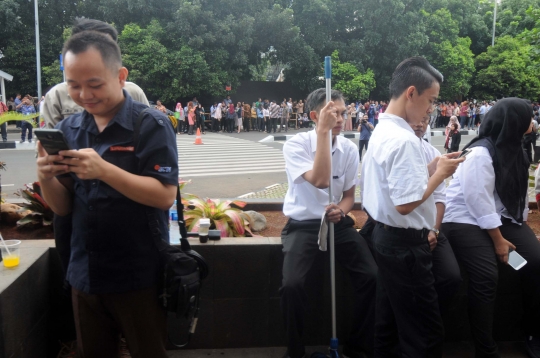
x=112, y=249
x=365, y=133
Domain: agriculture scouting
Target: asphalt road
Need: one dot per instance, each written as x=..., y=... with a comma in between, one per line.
x=21, y=166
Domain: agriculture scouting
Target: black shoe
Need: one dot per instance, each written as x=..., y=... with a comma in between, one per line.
x=352, y=352
x=532, y=344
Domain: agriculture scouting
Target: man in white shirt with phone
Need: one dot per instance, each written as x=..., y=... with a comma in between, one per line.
x=397, y=194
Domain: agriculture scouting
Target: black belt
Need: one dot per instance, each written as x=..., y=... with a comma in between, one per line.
x=422, y=233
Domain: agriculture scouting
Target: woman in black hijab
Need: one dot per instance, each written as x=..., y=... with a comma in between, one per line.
x=485, y=218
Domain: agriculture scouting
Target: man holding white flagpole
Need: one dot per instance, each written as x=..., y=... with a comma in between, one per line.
x=308, y=158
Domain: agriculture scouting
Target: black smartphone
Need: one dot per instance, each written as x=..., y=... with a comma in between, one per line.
x=464, y=153
x=52, y=140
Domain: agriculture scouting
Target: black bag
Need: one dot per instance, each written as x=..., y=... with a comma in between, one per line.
x=183, y=269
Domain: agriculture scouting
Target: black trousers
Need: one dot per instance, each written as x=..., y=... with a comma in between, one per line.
x=26, y=126
x=362, y=143
x=273, y=125
x=408, y=320
x=300, y=249
x=445, y=266
x=246, y=123
x=215, y=124
x=474, y=249
x=101, y=319
x=3, y=127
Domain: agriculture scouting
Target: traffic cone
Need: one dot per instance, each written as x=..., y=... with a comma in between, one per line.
x=198, y=139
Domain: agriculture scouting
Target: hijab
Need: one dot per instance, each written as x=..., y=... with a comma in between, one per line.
x=231, y=108
x=501, y=133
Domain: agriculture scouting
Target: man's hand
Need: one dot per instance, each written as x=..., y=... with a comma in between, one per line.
x=327, y=118
x=447, y=165
x=432, y=239
x=85, y=163
x=334, y=213
x=46, y=167
x=501, y=250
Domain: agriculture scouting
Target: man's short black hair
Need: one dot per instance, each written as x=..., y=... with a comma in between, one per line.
x=109, y=50
x=414, y=71
x=82, y=24
x=317, y=99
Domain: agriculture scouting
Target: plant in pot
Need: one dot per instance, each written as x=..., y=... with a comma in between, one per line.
x=225, y=216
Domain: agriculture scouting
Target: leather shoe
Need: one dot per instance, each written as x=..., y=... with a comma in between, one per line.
x=532, y=344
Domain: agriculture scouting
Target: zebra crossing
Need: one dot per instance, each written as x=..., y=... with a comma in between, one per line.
x=224, y=155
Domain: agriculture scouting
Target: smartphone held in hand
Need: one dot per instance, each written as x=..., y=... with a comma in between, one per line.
x=516, y=260
x=52, y=140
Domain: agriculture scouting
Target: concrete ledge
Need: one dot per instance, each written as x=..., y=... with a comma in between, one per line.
x=7, y=145
x=240, y=304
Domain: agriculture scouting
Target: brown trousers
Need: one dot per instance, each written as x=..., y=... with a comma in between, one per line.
x=101, y=319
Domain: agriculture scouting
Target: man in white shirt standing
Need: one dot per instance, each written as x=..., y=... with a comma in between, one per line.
x=307, y=158
x=483, y=111
x=397, y=193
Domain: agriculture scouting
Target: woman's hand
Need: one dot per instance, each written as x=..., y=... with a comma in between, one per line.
x=502, y=248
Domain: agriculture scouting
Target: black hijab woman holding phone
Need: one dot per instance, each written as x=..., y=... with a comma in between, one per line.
x=486, y=218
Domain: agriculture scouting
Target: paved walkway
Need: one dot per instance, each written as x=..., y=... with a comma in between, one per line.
x=225, y=155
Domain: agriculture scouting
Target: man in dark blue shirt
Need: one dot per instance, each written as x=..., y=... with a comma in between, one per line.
x=112, y=186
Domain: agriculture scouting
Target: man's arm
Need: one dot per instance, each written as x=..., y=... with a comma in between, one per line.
x=319, y=176
x=446, y=166
x=87, y=164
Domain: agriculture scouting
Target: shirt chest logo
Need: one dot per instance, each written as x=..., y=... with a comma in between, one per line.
x=160, y=169
x=118, y=148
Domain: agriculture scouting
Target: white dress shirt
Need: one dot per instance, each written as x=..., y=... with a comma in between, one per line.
x=427, y=135
x=303, y=200
x=471, y=197
x=430, y=153
x=395, y=173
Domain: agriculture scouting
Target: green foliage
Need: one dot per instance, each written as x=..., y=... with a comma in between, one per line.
x=232, y=222
x=52, y=75
x=181, y=48
x=349, y=80
x=167, y=72
x=507, y=70
x=449, y=53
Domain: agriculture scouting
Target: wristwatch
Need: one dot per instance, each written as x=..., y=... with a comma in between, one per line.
x=436, y=232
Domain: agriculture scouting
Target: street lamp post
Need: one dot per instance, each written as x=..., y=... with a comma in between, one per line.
x=494, y=21
x=38, y=59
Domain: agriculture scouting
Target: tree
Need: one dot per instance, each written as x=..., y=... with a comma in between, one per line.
x=166, y=73
x=506, y=70
x=350, y=81
x=449, y=53
x=392, y=31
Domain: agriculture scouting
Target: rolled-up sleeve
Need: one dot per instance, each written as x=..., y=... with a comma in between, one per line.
x=477, y=181
x=297, y=160
x=407, y=174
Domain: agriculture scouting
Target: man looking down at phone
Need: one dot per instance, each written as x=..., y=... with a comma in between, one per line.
x=113, y=187
x=486, y=215
x=398, y=194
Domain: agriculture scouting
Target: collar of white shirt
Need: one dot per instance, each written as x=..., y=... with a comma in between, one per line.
x=397, y=120
x=313, y=139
